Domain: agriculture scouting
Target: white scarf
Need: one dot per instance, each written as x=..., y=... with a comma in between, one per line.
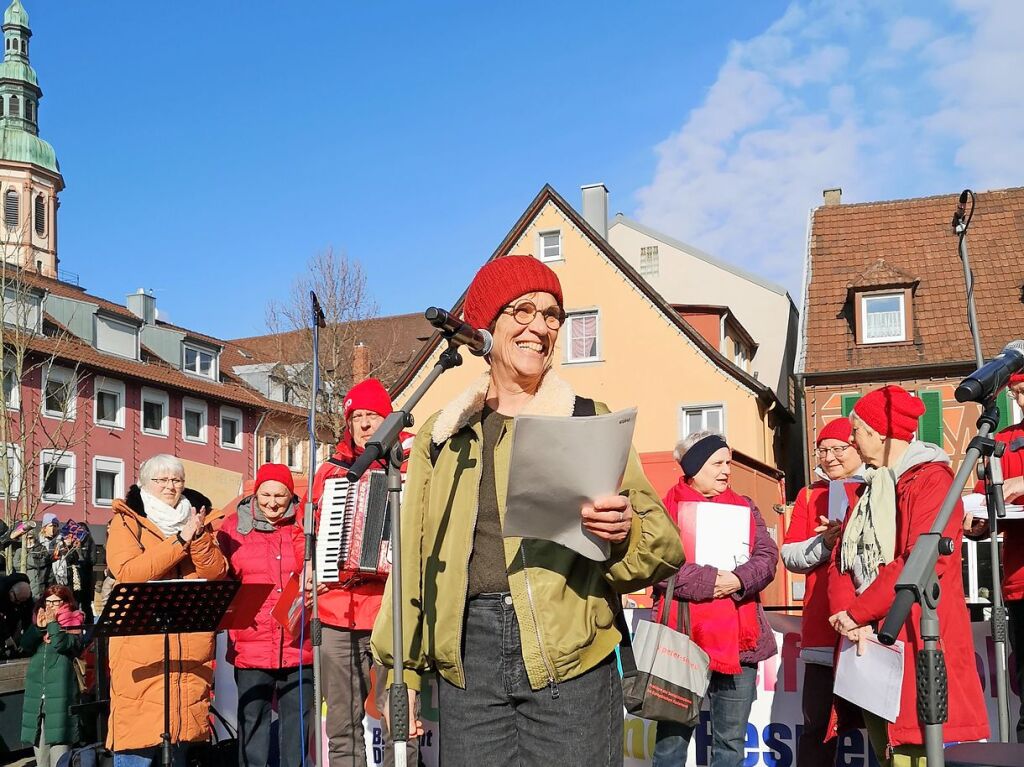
x=170, y=519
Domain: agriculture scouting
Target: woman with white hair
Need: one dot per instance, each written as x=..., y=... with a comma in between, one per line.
x=158, y=532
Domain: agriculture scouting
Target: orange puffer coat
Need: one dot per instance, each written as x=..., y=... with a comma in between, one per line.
x=137, y=551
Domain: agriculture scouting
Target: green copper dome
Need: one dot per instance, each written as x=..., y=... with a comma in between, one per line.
x=18, y=70
x=21, y=146
x=16, y=14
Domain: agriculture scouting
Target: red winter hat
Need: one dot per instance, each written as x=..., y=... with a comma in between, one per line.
x=277, y=472
x=368, y=395
x=502, y=280
x=839, y=428
x=892, y=411
x=1016, y=378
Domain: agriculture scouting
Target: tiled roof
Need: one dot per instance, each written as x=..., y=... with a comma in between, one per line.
x=902, y=241
x=66, y=290
x=391, y=341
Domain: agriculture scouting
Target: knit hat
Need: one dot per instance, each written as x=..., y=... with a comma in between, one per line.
x=277, y=472
x=501, y=280
x=891, y=411
x=368, y=395
x=1016, y=378
x=49, y=518
x=838, y=428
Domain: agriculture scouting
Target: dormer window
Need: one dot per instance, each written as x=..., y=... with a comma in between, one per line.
x=884, y=318
x=199, y=361
x=118, y=338
x=883, y=304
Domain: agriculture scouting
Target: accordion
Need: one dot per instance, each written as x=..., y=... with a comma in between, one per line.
x=354, y=538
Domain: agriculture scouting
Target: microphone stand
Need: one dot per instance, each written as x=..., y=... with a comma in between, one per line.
x=384, y=443
x=309, y=525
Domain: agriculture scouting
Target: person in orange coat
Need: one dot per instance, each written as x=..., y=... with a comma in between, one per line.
x=158, y=532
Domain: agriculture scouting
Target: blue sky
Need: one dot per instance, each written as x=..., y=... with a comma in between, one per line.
x=210, y=149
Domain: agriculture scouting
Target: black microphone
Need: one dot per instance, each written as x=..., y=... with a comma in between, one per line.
x=986, y=381
x=478, y=342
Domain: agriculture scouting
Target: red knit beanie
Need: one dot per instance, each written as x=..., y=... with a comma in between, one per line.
x=368, y=395
x=891, y=411
x=502, y=280
x=839, y=428
x=277, y=472
x=1016, y=378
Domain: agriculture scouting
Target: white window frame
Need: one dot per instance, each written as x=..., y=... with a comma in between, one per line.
x=541, y=255
x=704, y=409
x=275, y=452
x=68, y=377
x=63, y=459
x=10, y=364
x=577, y=313
x=295, y=444
x=12, y=451
x=865, y=299
x=155, y=395
x=214, y=362
x=235, y=414
x=104, y=463
x=109, y=386
x=195, y=406
x=118, y=326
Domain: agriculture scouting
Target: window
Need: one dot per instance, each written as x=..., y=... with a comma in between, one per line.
x=117, y=337
x=271, y=445
x=702, y=418
x=740, y=356
x=109, y=402
x=201, y=362
x=11, y=201
x=231, y=428
x=10, y=471
x=583, y=337
x=551, y=246
x=12, y=387
x=293, y=454
x=21, y=309
x=155, y=407
x=40, y=215
x=59, y=390
x=649, y=261
x=883, y=317
x=57, y=476
x=15, y=106
x=107, y=480
x=193, y=420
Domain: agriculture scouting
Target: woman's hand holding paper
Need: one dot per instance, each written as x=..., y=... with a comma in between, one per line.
x=608, y=518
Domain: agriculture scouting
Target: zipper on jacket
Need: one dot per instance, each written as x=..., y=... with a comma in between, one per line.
x=552, y=683
x=469, y=555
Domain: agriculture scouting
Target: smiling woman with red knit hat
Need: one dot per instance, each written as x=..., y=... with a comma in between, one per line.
x=263, y=543
x=807, y=549
x=907, y=481
x=521, y=632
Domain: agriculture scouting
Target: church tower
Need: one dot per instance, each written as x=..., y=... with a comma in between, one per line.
x=30, y=178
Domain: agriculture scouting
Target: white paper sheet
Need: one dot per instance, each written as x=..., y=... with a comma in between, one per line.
x=839, y=499
x=721, y=533
x=558, y=464
x=975, y=504
x=874, y=680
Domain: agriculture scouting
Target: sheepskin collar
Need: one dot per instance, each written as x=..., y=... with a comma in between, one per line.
x=554, y=397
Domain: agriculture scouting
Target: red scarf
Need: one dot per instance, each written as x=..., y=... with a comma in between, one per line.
x=723, y=627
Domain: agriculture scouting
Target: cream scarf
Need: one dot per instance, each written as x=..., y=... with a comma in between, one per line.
x=869, y=540
x=170, y=519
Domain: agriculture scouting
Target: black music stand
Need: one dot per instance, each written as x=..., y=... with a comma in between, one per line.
x=166, y=607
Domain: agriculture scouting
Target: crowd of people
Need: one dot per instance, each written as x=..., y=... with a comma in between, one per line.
x=520, y=632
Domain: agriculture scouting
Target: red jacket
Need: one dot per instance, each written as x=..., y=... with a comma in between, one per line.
x=352, y=607
x=264, y=556
x=1012, y=529
x=919, y=494
x=811, y=503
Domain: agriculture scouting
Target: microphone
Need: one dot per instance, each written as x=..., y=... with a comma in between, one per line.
x=986, y=381
x=478, y=342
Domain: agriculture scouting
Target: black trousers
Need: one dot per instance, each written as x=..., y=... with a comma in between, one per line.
x=256, y=689
x=812, y=750
x=1015, y=611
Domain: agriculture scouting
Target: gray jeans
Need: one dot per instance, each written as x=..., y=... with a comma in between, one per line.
x=499, y=720
x=256, y=690
x=346, y=660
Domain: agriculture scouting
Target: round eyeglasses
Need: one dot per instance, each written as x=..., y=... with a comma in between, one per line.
x=525, y=311
x=836, y=451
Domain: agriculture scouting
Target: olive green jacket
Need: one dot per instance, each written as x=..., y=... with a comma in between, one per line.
x=564, y=602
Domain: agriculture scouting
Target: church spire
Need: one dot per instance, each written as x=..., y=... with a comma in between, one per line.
x=19, y=87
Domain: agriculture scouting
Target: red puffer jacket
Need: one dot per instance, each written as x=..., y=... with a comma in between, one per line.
x=1012, y=529
x=259, y=555
x=354, y=606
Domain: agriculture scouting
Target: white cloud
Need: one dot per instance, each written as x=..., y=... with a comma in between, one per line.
x=858, y=95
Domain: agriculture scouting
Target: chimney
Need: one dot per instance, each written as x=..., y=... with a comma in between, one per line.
x=360, y=363
x=833, y=196
x=595, y=207
x=142, y=305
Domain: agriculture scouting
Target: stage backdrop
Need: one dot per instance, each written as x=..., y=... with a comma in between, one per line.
x=775, y=721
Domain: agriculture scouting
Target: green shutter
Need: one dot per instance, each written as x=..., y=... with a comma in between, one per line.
x=1003, y=401
x=849, y=400
x=929, y=426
